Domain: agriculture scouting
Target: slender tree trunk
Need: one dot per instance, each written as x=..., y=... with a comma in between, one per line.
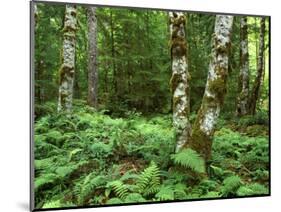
x=92, y=57
x=243, y=82
x=260, y=69
x=204, y=126
x=257, y=42
x=38, y=64
x=180, y=78
x=67, y=69
x=113, y=52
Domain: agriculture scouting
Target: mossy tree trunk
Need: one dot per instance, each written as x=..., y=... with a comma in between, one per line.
x=243, y=81
x=180, y=78
x=92, y=57
x=204, y=126
x=67, y=69
x=260, y=69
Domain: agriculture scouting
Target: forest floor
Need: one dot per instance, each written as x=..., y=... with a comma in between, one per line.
x=90, y=158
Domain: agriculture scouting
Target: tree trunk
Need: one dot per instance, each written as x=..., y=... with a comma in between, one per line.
x=204, y=126
x=180, y=78
x=243, y=81
x=260, y=69
x=67, y=69
x=113, y=52
x=92, y=57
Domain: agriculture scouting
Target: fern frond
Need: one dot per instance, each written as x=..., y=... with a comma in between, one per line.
x=252, y=189
x=211, y=194
x=90, y=183
x=43, y=163
x=230, y=185
x=52, y=204
x=119, y=188
x=114, y=201
x=180, y=191
x=134, y=197
x=149, y=180
x=44, y=180
x=165, y=193
x=189, y=158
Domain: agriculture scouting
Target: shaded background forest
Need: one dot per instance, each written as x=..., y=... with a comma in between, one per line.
x=123, y=150
x=134, y=62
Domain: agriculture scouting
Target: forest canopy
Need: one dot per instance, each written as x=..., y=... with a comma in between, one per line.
x=138, y=105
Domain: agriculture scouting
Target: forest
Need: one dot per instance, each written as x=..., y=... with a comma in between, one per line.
x=138, y=105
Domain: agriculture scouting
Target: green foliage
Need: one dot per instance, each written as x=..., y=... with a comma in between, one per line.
x=134, y=197
x=149, y=180
x=260, y=118
x=44, y=180
x=119, y=188
x=114, y=201
x=100, y=149
x=231, y=185
x=165, y=193
x=52, y=204
x=104, y=161
x=189, y=158
x=87, y=187
x=123, y=150
x=252, y=189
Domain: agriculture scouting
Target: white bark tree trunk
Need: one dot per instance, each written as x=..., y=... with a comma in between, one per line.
x=67, y=69
x=92, y=57
x=180, y=78
x=243, y=81
x=204, y=126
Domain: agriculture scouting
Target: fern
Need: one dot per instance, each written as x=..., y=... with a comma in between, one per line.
x=134, y=197
x=100, y=149
x=149, y=180
x=211, y=194
x=129, y=175
x=65, y=171
x=252, y=189
x=119, y=188
x=165, y=193
x=90, y=183
x=44, y=180
x=114, y=201
x=180, y=191
x=52, y=204
x=188, y=158
x=230, y=185
x=44, y=163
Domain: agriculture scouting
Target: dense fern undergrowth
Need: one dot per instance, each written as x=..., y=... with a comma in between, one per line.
x=89, y=158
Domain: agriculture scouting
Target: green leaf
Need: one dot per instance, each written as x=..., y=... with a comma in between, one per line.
x=189, y=158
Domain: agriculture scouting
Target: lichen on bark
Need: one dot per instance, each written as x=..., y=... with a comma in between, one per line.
x=67, y=69
x=243, y=81
x=204, y=126
x=179, y=81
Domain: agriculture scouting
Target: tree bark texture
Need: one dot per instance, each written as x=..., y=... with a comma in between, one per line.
x=260, y=69
x=179, y=81
x=67, y=69
x=92, y=57
x=243, y=81
x=204, y=126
